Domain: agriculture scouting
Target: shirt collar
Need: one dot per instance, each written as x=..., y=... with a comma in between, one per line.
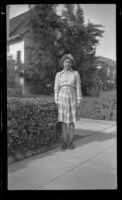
x=71, y=70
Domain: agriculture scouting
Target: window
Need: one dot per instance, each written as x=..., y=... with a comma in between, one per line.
x=18, y=56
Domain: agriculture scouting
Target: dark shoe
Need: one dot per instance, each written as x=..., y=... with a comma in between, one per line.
x=71, y=145
x=64, y=146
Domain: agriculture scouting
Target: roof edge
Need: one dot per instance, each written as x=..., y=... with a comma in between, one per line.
x=19, y=15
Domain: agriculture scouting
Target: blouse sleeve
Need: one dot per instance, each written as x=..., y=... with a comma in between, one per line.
x=56, y=87
x=78, y=87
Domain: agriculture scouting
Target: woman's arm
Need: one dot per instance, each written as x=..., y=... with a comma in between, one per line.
x=56, y=87
x=78, y=87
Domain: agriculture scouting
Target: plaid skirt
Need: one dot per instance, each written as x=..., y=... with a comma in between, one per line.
x=67, y=105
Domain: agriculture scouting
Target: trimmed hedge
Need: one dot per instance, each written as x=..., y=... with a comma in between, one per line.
x=31, y=123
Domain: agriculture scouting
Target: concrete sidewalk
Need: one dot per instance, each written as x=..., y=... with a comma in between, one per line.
x=91, y=165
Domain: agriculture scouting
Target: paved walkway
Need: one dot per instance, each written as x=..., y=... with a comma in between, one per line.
x=91, y=165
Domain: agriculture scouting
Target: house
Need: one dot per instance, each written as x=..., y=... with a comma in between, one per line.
x=110, y=66
x=20, y=43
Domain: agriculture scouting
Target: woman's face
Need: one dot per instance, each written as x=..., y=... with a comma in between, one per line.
x=67, y=63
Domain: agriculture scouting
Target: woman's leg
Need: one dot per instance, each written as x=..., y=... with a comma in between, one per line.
x=64, y=131
x=71, y=132
x=71, y=135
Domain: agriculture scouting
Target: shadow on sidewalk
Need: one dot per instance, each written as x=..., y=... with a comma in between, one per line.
x=80, y=135
x=30, y=152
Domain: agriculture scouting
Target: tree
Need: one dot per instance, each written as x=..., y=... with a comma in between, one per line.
x=81, y=40
x=42, y=26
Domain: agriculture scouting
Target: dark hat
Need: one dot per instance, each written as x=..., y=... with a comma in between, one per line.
x=64, y=57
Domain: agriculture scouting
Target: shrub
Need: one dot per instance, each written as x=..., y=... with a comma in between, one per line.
x=14, y=91
x=92, y=92
x=11, y=73
x=31, y=123
x=103, y=108
x=108, y=86
x=13, y=80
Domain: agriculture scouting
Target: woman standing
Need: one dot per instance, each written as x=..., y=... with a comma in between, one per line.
x=67, y=95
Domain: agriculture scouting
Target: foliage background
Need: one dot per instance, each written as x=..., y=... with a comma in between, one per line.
x=56, y=35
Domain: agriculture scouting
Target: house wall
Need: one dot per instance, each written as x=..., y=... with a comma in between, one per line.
x=24, y=45
x=15, y=46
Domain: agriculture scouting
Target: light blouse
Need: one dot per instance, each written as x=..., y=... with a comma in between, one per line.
x=68, y=78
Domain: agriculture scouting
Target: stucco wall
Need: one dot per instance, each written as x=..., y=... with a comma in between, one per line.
x=17, y=46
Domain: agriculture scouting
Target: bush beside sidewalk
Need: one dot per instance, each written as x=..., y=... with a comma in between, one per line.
x=102, y=108
x=31, y=123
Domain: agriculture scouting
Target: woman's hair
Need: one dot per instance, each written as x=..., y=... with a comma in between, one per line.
x=66, y=56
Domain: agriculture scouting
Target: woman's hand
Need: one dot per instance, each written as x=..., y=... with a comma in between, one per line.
x=78, y=105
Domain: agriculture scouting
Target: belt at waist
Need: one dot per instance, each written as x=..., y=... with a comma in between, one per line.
x=67, y=86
